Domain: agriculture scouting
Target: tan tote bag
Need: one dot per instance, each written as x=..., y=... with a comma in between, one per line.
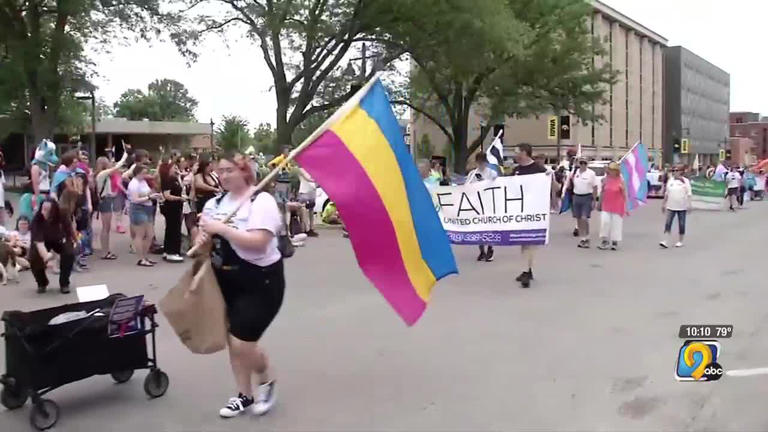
x=196, y=310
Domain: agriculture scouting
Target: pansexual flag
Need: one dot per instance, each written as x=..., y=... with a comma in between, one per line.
x=634, y=169
x=360, y=159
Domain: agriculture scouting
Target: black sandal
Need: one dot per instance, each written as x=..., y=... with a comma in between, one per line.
x=144, y=263
x=109, y=256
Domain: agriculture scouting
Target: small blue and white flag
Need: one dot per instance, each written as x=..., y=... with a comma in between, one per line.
x=495, y=154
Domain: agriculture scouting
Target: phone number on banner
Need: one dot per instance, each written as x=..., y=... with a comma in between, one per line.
x=499, y=238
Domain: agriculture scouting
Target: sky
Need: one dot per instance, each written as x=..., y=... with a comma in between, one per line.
x=231, y=78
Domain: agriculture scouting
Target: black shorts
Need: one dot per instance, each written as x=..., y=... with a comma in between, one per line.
x=253, y=296
x=733, y=191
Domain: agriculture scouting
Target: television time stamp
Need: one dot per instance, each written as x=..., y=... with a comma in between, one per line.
x=697, y=359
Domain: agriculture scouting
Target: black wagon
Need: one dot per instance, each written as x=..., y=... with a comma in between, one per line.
x=40, y=357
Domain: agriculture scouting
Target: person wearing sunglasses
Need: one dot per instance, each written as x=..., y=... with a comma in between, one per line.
x=677, y=201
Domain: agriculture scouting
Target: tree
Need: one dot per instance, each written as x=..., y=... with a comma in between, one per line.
x=233, y=134
x=45, y=63
x=425, y=149
x=166, y=100
x=264, y=139
x=306, y=45
x=527, y=57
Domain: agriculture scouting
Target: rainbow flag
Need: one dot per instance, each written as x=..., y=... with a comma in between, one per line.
x=360, y=159
x=634, y=168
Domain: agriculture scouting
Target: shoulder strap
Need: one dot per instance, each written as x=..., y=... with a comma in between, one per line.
x=219, y=198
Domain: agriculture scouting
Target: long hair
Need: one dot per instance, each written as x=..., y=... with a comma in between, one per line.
x=56, y=220
x=70, y=196
x=202, y=165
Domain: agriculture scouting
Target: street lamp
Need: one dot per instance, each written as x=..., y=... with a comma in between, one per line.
x=92, y=98
x=211, y=134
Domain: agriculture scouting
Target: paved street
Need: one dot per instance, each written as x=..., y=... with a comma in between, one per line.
x=592, y=346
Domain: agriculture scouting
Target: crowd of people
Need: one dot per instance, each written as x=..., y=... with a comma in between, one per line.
x=67, y=196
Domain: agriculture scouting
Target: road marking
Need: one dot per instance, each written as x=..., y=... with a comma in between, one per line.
x=747, y=372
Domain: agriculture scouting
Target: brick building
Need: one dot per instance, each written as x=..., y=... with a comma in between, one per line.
x=751, y=125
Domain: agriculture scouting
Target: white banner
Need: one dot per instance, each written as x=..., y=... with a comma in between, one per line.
x=505, y=212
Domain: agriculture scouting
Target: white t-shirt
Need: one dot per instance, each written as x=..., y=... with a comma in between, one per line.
x=306, y=183
x=260, y=214
x=584, y=182
x=733, y=179
x=760, y=182
x=138, y=188
x=678, y=194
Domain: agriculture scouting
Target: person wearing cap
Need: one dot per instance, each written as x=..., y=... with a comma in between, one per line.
x=584, y=182
x=613, y=205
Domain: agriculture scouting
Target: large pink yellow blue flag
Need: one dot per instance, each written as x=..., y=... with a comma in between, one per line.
x=360, y=159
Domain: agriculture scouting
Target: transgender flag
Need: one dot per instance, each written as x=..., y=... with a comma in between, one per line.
x=634, y=167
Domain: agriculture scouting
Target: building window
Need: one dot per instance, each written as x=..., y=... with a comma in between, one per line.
x=653, y=93
x=610, y=95
x=642, y=41
x=626, y=88
x=593, y=68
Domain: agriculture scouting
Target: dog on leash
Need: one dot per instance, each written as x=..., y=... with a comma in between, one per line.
x=8, y=265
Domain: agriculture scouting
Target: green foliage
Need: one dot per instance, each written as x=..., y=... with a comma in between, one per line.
x=425, y=149
x=233, y=134
x=166, y=100
x=264, y=139
x=311, y=47
x=500, y=58
x=44, y=59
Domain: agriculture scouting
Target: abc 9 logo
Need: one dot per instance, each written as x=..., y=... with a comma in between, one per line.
x=708, y=369
x=713, y=371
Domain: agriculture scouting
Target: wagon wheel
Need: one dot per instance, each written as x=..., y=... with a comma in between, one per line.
x=156, y=383
x=12, y=397
x=45, y=414
x=122, y=376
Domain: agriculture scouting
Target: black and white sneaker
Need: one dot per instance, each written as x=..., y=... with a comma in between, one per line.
x=266, y=398
x=489, y=255
x=236, y=406
x=526, y=274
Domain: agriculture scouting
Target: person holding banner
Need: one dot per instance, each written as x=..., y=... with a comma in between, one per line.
x=481, y=173
x=677, y=201
x=613, y=207
x=249, y=269
x=527, y=166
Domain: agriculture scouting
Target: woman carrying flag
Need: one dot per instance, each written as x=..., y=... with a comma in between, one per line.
x=249, y=269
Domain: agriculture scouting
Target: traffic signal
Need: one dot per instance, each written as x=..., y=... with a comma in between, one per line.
x=565, y=127
x=676, y=146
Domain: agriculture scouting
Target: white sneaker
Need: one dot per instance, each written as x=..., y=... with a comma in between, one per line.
x=174, y=258
x=266, y=398
x=299, y=237
x=236, y=406
x=679, y=244
x=663, y=244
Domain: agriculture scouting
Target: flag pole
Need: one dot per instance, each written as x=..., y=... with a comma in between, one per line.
x=628, y=152
x=340, y=113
